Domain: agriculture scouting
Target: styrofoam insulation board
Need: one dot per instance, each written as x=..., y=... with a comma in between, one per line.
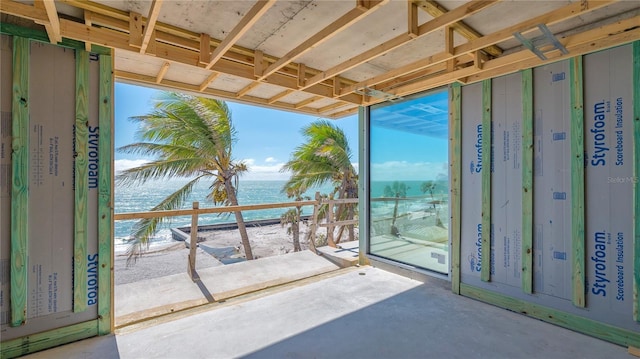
x=51, y=193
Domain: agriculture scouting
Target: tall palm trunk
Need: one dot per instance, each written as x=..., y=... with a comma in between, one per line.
x=231, y=193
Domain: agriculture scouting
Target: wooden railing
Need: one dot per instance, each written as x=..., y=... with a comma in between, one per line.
x=196, y=211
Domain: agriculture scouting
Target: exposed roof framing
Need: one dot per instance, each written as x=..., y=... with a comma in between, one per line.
x=321, y=57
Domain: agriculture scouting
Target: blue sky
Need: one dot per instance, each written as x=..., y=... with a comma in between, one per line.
x=266, y=138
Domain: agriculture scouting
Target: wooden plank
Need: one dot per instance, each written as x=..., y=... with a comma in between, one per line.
x=577, y=183
x=193, y=242
x=448, y=40
x=53, y=25
x=412, y=19
x=636, y=185
x=577, y=323
x=150, y=25
x=205, y=48
x=248, y=88
x=52, y=338
x=455, y=154
x=135, y=29
x=323, y=35
x=39, y=35
x=302, y=75
x=105, y=197
x=527, y=181
x=258, y=63
x=162, y=72
x=485, y=272
x=279, y=96
x=308, y=101
x=81, y=199
x=248, y=20
x=434, y=9
x=214, y=75
x=20, y=181
x=88, y=23
x=634, y=351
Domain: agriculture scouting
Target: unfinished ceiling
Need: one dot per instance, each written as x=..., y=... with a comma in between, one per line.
x=327, y=58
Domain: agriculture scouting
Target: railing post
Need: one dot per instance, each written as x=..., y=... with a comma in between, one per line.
x=314, y=224
x=193, y=242
x=330, y=226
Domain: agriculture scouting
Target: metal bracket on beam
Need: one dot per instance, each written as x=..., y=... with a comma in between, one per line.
x=536, y=44
x=367, y=91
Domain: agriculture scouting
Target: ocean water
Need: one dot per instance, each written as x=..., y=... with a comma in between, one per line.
x=144, y=198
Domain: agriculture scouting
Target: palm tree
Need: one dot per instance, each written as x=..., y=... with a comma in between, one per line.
x=397, y=190
x=189, y=137
x=325, y=158
x=430, y=186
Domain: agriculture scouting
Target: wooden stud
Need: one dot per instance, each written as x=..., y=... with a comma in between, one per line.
x=279, y=96
x=577, y=183
x=205, y=48
x=455, y=114
x=258, y=63
x=435, y=10
x=208, y=81
x=485, y=272
x=636, y=185
x=105, y=197
x=323, y=35
x=135, y=29
x=149, y=28
x=81, y=200
x=162, y=72
x=193, y=242
x=634, y=351
x=20, y=181
x=88, y=23
x=302, y=73
x=412, y=19
x=527, y=181
x=448, y=40
x=259, y=9
x=477, y=59
x=574, y=322
x=49, y=339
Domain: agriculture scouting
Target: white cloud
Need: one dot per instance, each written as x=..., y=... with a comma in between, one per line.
x=270, y=160
x=121, y=165
x=268, y=172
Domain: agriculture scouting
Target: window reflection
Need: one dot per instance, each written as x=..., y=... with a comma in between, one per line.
x=409, y=182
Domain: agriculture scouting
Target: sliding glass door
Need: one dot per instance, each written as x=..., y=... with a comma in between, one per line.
x=409, y=181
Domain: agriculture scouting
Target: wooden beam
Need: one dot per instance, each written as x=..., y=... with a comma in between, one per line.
x=434, y=9
x=448, y=40
x=33, y=13
x=302, y=75
x=209, y=80
x=205, y=48
x=53, y=24
x=552, y=17
x=162, y=72
x=259, y=9
x=87, y=21
x=451, y=17
x=150, y=25
x=333, y=106
x=323, y=35
x=258, y=63
x=20, y=181
x=279, y=96
x=455, y=118
x=308, y=101
x=18, y=347
x=527, y=181
x=248, y=88
x=135, y=29
x=412, y=19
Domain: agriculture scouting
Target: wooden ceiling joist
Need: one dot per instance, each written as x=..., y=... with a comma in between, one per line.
x=208, y=80
x=162, y=72
x=552, y=17
x=53, y=24
x=449, y=18
x=150, y=25
x=434, y=9
x=247, y=88
x=308, y=101
x=279, y=96
x=346, y=20
x=251, y=17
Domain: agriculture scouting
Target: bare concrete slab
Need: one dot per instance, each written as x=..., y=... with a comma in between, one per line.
x=364, y=313
x=158, y=296
x=345, y=255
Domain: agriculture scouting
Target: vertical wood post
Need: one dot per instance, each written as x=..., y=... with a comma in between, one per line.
x=193, y=241
x=456, y=159
x=330, y=220
x=314, y=224
x=527, y=181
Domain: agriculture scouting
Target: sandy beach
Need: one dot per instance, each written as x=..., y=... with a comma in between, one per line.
x=219, y=247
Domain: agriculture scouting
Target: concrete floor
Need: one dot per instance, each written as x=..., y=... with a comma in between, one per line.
x=359, y=313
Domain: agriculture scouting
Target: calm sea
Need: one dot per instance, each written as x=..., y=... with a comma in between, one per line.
x=143, y=198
